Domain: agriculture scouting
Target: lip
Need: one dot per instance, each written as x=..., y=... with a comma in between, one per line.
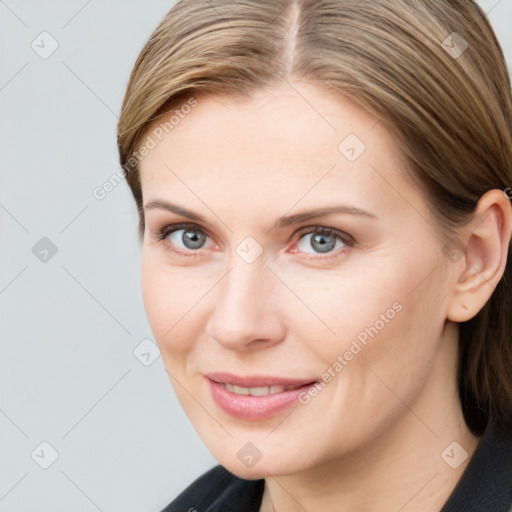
x=254, y=381
x=250, y=407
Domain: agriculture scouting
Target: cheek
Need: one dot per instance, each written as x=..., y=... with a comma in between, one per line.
x=388, y=313
x=343, y=305
x=169, y=295
x=404, y=326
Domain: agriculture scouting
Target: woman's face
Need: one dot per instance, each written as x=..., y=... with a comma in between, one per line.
x=264, y=285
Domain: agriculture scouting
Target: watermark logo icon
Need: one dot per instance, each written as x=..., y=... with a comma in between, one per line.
x=249, y=455
x=44, y=455
x=453, y=249
x=351, y=147
x=146, y=352
x=249, y=249
x=454, y=455
x=455, y=45
x=44, y=45
x=44, y=250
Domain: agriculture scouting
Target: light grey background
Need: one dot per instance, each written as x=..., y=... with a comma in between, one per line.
x=71, y=322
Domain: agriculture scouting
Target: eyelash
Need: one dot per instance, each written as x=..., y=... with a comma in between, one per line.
x=347, y=240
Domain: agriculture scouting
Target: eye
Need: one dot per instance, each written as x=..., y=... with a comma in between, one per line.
x=184, y=238
x=321, y=240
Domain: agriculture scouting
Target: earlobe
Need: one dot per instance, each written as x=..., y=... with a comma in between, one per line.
x=487, y=239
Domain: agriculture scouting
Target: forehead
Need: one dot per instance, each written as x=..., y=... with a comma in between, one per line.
x=283, y=140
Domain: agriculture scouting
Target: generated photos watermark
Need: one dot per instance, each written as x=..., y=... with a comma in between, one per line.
x=150, y=142
x=356, y=346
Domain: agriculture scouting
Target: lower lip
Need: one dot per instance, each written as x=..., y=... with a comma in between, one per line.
x=250, y=407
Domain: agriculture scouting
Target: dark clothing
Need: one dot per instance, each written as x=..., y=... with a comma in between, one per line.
x=485, y=485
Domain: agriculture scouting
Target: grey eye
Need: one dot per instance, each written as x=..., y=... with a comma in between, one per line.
x=319, y=242
x=189, y=238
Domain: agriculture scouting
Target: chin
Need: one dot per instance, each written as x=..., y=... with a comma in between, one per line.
x=272, y=465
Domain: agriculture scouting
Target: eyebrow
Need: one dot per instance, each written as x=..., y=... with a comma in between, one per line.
x=281, y=222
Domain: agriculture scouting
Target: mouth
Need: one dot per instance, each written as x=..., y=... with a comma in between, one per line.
x=255, y=397
x=257, y=391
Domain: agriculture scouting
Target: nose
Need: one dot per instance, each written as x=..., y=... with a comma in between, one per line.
x=248, y=310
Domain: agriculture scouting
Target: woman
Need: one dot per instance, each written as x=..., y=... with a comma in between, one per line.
x=324, y=199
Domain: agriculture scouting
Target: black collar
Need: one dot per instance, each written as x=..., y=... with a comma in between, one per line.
x=486, y=484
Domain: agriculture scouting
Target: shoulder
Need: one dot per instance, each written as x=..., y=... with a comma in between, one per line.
x=218, y=490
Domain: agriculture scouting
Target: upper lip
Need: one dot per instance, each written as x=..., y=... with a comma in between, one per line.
x=254, y=381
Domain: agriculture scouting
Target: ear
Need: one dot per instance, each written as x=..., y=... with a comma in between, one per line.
x=486, y=242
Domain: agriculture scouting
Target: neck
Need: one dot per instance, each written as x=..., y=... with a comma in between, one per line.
x=402, y=468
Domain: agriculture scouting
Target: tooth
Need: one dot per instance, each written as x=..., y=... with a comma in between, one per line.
x=257, y=391
x=261, y=391
x=240, y=390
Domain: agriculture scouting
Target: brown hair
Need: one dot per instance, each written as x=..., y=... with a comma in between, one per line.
x=433, y=72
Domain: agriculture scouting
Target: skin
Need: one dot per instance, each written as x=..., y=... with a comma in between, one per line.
x=372, y=439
